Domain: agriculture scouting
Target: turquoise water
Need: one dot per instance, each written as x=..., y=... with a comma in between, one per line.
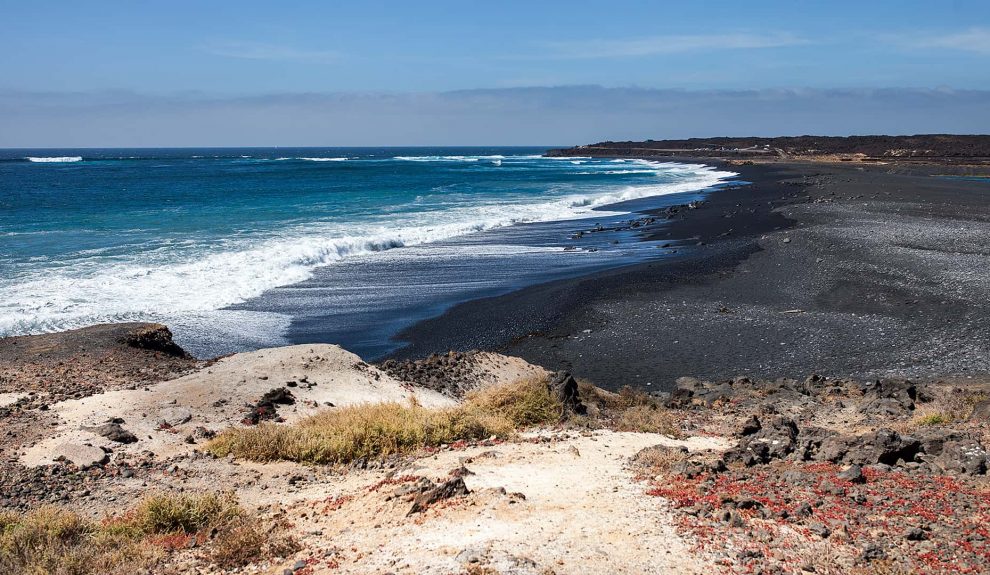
x=204, y=239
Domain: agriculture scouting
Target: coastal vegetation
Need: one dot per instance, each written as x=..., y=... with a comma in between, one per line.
x=378, y=430
x=56, y=540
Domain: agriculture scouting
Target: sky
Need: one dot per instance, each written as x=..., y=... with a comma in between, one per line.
x=180, y=73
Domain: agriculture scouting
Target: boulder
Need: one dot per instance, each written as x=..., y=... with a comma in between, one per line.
x=155, y=337
x=114, y=432
x=453, y=488
x=174, y=416
x=852, y=474
x=966, y=457
x=563, y=385
x=881, y=446
x=889, y=397
x=776, y=439
x=981, y=411
x=751, y=426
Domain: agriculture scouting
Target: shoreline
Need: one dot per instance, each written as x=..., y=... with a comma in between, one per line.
x=869, y=304
x=487, y=264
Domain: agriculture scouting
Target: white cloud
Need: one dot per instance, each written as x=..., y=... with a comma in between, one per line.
x=671, y=44
x=972, y=40
x=260, y=51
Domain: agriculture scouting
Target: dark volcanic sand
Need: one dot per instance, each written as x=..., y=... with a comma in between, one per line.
x=889, y=266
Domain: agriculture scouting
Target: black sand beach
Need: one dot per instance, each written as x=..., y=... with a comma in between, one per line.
x=852, y=269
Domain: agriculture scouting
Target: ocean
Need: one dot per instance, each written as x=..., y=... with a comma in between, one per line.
x=237, y=249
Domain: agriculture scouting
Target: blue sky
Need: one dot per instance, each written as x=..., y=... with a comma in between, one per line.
x=104, y=66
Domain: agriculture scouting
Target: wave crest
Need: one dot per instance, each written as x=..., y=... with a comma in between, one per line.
x=53, y=159
x=313, y=159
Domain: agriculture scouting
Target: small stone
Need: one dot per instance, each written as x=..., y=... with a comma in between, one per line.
x=736, y=520
x=114, y=432
x=174, y=416
x=872, y=552
x=914, y=534
x=852, y=474
x=820, y=530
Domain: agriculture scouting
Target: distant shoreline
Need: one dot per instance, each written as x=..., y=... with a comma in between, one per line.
x=942, y=149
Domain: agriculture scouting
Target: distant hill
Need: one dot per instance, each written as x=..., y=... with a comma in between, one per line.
x=924, y=147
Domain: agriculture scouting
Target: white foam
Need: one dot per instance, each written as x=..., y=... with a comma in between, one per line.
x=314, y=159
x=54, y=159
x=205, y=278
x=617, y=172
x=457, y=158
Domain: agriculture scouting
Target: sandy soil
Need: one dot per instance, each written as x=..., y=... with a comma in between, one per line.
x=549, y=502
x=560, y=503
x=163, y=415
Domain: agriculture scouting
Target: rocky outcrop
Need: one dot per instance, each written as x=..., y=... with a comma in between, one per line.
x=451, y=373
x=775, y=428
x=764, y=441
x=931, y=450
x=267, y=407
x=430, y=493
x=564, y=387
x=154, y=337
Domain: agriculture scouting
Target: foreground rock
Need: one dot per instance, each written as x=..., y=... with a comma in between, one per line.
x=834, y=475
x=78, y=363
x=923, y=427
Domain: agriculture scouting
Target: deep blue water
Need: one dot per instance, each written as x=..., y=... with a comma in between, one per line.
x=241, y=248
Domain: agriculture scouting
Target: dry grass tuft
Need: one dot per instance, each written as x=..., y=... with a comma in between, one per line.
x=372, y=431
x=524, y=403
x=167, y=513
x=948, y=405
x=648, y=419
x=659, y=459
x=50, y=540
x=628, y=410
x=247, y=541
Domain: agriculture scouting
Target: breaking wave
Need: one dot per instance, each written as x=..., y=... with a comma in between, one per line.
x=54, y=159
x=202, y=279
